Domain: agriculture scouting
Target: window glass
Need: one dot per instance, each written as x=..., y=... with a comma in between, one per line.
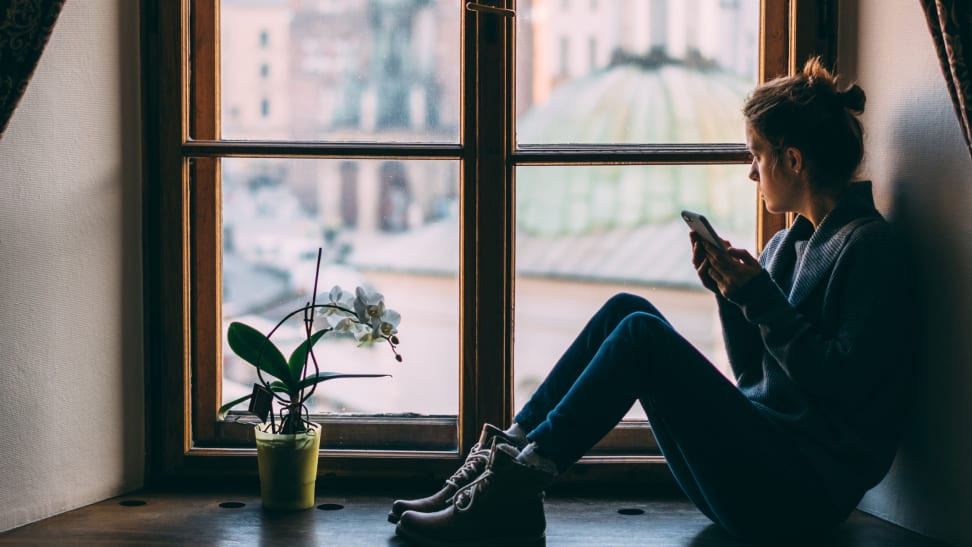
x=634, y=71
x=342, y=70
x=585, y=233
x=389, y=225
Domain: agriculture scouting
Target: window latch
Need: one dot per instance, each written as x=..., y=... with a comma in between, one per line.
x=483, y=8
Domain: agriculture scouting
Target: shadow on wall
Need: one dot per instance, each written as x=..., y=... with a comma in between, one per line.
x=931, y=188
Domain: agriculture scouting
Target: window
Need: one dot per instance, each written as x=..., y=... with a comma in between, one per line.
x=564, y=55
x=404, y=169
x=592, y=54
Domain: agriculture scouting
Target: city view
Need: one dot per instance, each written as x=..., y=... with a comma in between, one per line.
x=388, y=71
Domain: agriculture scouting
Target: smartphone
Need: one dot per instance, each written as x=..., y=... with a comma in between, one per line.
x=700, y=225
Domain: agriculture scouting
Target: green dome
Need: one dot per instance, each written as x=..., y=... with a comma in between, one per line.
x=632, y=104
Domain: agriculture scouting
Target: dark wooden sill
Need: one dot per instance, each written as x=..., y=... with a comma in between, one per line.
x=235, y=517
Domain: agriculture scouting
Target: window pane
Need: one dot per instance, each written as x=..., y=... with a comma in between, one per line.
x=634, y=71
x=340, y=70
x=390, y=225
x=587, y=233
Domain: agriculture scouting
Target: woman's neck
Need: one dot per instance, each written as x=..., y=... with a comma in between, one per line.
x=819, y=204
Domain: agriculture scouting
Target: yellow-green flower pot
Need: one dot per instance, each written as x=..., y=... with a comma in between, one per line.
x=288, y=468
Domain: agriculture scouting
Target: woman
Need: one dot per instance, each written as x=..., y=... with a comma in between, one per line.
x=816, y=332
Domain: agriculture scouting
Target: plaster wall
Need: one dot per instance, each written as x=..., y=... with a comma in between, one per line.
x=922, y=172
x=71, y=367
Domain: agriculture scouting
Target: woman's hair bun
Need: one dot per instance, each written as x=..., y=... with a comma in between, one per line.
x=853, y=98
x=824, y=81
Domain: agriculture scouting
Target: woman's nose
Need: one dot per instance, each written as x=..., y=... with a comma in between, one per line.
x=754, y=172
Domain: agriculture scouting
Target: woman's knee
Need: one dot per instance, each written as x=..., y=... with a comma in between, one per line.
x=624, y=304
x=646, y=325
x=639, y=341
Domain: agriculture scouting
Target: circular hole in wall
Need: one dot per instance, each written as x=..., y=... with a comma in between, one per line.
x=631, y=511
x=330, y=507
x=232, y=505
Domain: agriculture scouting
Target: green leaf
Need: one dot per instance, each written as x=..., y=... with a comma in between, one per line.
x=323, y=376
x=226, y=408
x=258, y=350
x=299, y=355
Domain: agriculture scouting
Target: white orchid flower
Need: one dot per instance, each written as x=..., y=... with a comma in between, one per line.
x=345, y=325
x=387, y=326
x=369, y=305
x=338, y=298
x=322, y=323
x=364, y=336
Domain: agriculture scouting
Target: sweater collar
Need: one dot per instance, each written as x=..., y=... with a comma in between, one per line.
x=825, y=243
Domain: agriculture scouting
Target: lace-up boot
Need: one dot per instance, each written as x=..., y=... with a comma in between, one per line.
x=474, y=465
x=503, y=506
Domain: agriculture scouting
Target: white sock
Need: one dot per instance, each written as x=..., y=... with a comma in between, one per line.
x=517, y=432
x=529, y=456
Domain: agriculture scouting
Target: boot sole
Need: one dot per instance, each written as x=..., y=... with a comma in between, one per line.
x=532, y=541
x=393, y=518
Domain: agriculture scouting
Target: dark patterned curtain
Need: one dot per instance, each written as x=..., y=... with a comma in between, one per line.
x=25, y=26
x=950, y=22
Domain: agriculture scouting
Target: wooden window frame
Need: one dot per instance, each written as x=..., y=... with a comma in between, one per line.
x=181, y=241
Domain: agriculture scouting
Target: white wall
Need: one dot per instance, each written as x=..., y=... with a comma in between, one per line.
x=923, y=173
x=71, y=371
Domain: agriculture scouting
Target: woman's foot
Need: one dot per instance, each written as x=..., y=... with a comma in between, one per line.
x=503, y=505
x=474, y=465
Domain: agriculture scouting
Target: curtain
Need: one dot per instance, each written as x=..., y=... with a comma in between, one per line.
x=25, y=26
x=950, y=22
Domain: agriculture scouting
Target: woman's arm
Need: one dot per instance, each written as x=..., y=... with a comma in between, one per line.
x=862, y=330
x=744, y=344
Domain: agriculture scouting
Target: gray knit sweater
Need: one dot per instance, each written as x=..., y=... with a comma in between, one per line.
x=821, y=341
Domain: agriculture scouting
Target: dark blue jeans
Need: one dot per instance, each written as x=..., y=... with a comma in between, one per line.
x=733, y=462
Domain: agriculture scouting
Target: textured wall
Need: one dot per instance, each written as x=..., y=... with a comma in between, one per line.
x=918, y=160
x=71, y=373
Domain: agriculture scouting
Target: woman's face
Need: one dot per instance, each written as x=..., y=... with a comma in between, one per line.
x=774, y=176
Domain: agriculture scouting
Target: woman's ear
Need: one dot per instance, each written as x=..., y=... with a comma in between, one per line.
x=794, y=159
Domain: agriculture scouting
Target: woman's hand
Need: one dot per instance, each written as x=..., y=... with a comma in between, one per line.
x=701, y=262
x=724, y=272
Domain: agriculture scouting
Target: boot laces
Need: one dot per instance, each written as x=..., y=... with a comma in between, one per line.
x=475, y=462
x=466, y=498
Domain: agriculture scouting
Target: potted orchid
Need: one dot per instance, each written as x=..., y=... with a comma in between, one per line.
x=287, y=441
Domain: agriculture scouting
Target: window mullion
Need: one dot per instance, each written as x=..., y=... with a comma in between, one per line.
x=774, y=60
x=488, y=378
x=204, y=198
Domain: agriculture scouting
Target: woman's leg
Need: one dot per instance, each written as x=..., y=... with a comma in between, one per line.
x=733, y=462
x=736, y=465
x=578, y=356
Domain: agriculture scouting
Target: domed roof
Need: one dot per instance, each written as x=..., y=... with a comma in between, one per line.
x=637, y=104
x=629, y=104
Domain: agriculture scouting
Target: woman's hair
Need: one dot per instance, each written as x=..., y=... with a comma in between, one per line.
x=807, y=111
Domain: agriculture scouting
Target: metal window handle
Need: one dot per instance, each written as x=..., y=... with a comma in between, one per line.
x=483, y=8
